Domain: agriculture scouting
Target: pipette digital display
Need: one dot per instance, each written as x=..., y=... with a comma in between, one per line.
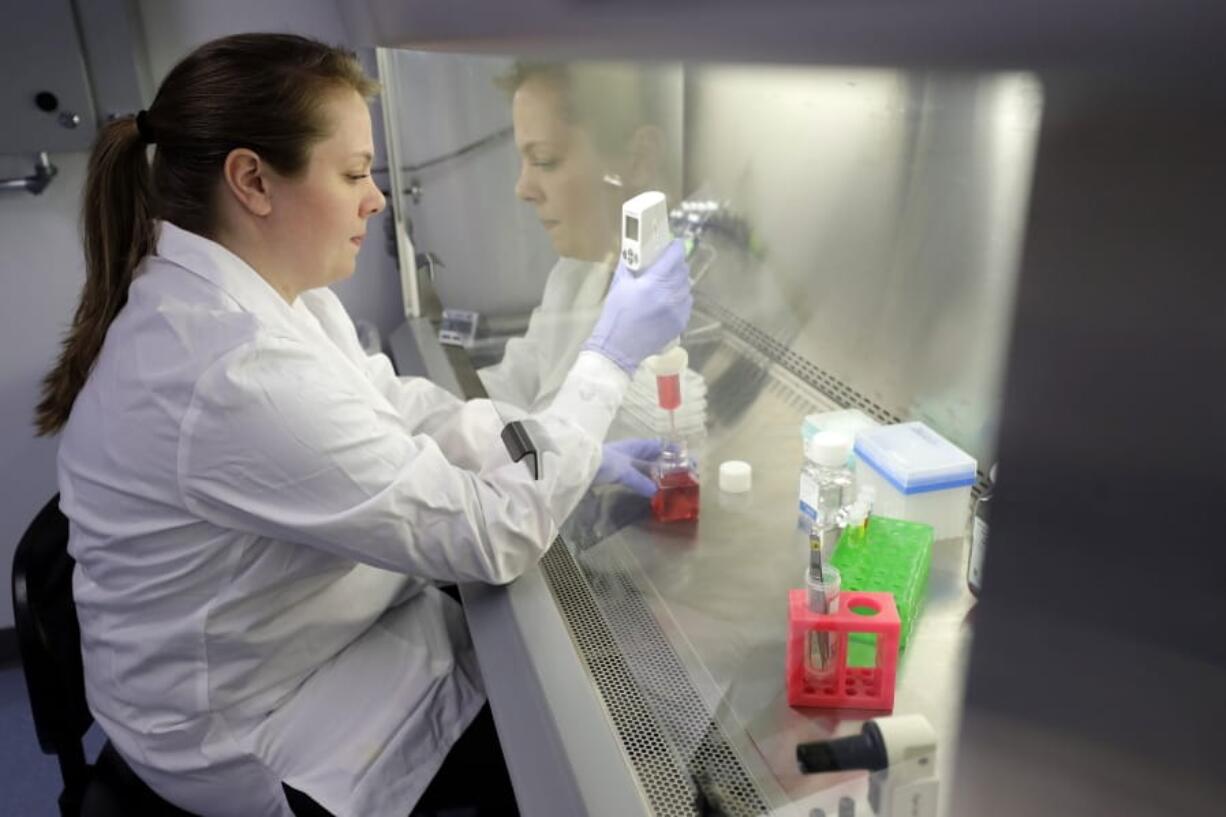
x=645, y=231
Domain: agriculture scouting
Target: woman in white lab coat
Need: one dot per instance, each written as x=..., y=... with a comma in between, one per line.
x=260, y=511
x=590, y=136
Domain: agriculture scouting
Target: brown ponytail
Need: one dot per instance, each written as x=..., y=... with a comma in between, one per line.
x=263, y=92
x=117, y=222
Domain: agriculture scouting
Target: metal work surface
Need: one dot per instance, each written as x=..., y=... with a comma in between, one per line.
x=699, y=612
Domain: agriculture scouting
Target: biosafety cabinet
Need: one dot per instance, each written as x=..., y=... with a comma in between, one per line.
x=1005, y=223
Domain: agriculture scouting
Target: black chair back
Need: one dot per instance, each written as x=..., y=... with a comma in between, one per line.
x=50, y=642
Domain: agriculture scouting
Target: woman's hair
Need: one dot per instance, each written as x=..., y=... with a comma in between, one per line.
x=264, y=92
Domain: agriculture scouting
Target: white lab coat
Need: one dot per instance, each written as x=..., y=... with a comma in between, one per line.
x=257, y=510
x=534, y=366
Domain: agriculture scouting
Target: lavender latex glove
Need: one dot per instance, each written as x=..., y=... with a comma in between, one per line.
x=628, y=463
x=641, y=314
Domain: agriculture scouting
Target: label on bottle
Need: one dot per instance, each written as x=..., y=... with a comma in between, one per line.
x=979, y=546
x=808, y=498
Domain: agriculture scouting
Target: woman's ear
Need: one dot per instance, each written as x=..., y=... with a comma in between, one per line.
x=246, y=180
x=646, y=158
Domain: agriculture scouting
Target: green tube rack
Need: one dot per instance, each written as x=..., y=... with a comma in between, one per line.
x=888, y=556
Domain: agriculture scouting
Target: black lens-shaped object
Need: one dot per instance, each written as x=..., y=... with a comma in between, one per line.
x=863, y=751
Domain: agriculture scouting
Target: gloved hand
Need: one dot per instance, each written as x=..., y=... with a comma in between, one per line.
x=628, y=463
x=643, y=313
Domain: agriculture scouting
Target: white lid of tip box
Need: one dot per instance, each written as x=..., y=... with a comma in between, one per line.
x=914, y=458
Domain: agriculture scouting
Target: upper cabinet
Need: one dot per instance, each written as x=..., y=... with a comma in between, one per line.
x=67, y=67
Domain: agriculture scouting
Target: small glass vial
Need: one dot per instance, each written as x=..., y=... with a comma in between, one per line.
x=676, y=479
x=821, y=659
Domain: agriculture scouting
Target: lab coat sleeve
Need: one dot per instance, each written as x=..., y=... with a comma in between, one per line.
x=516, y=379
x=272, y=447
x=427, y=408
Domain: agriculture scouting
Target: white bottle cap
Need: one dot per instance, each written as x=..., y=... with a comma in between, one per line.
x=735, y=476
x=829, y=448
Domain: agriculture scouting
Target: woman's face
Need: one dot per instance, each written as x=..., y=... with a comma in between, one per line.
x=320, y=217
x=561, y=174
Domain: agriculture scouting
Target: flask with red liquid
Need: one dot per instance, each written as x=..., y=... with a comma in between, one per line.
x=676, y=499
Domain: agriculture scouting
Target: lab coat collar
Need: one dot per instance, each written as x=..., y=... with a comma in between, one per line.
x=213, y=262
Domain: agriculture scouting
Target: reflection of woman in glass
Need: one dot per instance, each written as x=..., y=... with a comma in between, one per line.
x=590, y=136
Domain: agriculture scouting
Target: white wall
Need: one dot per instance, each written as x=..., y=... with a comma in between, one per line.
x=41, y=266
x=41, y=269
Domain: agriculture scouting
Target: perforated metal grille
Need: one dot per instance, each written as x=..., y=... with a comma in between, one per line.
x=665, y=786
x=660, y=719
x=801, y=367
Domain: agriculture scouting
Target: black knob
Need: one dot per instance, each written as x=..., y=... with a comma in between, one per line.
x=46, y=101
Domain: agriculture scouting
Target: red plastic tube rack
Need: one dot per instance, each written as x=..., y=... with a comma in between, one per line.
x=841, y=686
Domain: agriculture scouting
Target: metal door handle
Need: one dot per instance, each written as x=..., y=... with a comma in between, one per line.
x=44, y=172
